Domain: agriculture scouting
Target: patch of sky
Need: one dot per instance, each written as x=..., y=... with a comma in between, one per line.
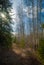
x=27, y=6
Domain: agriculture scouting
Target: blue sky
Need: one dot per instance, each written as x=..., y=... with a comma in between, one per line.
x=27, y=8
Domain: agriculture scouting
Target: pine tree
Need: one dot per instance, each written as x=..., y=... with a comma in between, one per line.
x=5, y=24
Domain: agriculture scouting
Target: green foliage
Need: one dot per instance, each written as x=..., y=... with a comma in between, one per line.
x=5, y=24
x=19, y=41
x=5, y=40
x=14, y=40
x=41, y=48
x=42, y=25
x=22, y=43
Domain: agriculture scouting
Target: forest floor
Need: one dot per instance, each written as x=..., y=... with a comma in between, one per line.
x=19, y=56
x=22, y=51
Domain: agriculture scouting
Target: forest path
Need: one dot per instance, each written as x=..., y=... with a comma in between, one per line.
x=22, y=51
x=18, y=56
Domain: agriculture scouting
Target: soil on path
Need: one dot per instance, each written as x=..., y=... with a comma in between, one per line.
x=17, y=56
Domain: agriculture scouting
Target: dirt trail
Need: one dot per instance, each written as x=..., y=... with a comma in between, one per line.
x=17, y=56
x=23, y=52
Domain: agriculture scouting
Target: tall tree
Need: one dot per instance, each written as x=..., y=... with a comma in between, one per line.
x=5, y=23
x=21, y=22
